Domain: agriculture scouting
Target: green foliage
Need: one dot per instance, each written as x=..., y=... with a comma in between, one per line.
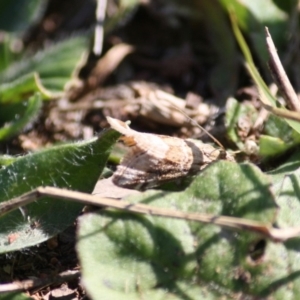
x=17, y=15
x=14, y=296
x=133, y=256
x=72, y=166
x=286, y=187
x=40, y=77
x=278, y=137
x=222, y=82
x=6, y=160
x=54, y=65
x=16, y=90
x=7, y=55
x=253, y=16
x=281, y=137
x=25, y=79
x=20, y=114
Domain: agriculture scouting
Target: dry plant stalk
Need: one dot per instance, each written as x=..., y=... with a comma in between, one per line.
x=280, y=77
x=276, y=234
x=39, y=282
x=283, y=84
x=155, y=159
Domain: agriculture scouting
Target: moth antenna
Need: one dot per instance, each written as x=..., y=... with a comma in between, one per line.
x=198, y=125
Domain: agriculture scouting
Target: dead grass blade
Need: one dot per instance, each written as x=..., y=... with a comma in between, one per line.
x=280, y=76
x=234, y=223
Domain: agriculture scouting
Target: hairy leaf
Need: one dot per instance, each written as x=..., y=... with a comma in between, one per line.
x=54, y=65
x=20, y=88
x=20, y=114
x=72, y=166
x=132, y=256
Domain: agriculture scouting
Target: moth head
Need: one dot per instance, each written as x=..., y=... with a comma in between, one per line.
x=119, y=126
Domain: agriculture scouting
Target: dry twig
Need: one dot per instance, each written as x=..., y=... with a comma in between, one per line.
x=234, y=223
x=280, y=76
x=38, y=282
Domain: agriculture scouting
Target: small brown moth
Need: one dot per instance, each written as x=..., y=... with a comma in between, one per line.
x=156, y=159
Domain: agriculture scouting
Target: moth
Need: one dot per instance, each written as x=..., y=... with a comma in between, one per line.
x=155, y=159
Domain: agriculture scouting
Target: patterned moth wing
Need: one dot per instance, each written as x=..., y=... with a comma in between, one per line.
x=155, y=159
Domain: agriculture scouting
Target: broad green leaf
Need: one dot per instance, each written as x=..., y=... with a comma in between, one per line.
x=72, y=166
x=129, y=256
x=286, y=187
x=17, y=15
x=20, y=88
x=252, y=16
x=268, y=14
x=223, y=82
x=271, y=146
x=54, y=65
x=277, y=127
x=6, y=160
x=21, y=114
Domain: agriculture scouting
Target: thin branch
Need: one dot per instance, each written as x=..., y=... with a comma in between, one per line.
x=280, y=76
x=34, y=283
x=224, y=221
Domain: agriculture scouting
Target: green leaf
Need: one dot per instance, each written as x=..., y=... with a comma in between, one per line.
x=272, y=146
x=20, y=88
x=6, y=160
x=278, y=139
x=128, y=256
x=268, y=14
x=15, y=296
x=72, y=166
x=266, y=95
x=286, y=187
x=277, y=127
x=54, y=65
x=252, y=16
x=17, y=15
x=219, y=33
x=20, y=115
x=7, y=55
